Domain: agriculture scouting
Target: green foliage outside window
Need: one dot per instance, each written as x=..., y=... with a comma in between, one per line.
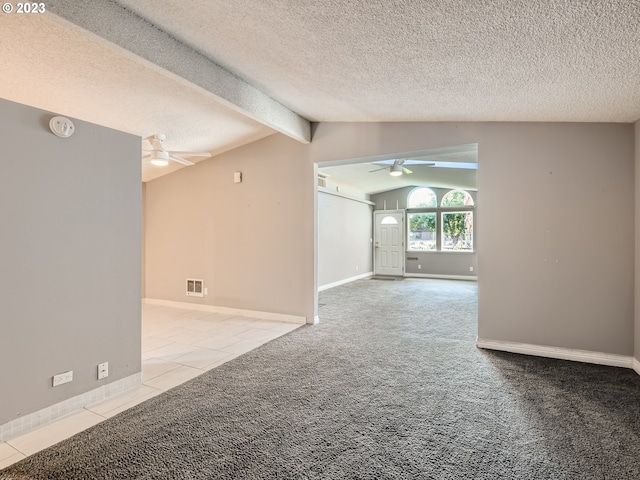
x=457, y=231
x=456, y=228
x=457, y=198
x=422, y=231
x=422, y=221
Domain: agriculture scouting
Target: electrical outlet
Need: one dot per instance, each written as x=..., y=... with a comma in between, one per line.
x=471, y=269
x=419, y=267
x=61, y=378
x=103, y=370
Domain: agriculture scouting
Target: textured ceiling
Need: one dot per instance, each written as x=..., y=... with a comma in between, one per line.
x=450, y=60
x=69, y=72
x=213, y=75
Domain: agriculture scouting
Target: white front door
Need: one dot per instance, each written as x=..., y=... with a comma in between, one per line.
x=389, y=243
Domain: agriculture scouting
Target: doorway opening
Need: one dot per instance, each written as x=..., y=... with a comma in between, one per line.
x=358, y=236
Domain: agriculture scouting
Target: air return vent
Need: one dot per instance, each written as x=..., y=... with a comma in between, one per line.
x=195, y=287
x=322, y=179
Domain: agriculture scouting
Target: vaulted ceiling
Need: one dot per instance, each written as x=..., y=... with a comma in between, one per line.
x=216, y=74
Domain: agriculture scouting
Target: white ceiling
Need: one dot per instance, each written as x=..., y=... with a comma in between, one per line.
x=213, y=75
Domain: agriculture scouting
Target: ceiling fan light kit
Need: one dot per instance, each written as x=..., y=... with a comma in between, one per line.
x=159, y=158
x=395, y=170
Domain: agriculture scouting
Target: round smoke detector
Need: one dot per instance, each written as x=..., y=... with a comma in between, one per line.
x=61, y=126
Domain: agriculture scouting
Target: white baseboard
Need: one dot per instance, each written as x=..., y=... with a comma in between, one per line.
x=443, y=277
x=346, y=280
x=276, y=317
x=636, y=366
x=585, y=356
x=58, y=410
x=316, y=320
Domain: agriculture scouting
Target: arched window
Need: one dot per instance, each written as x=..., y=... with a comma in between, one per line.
x=422, y=198
x=444, y=227
x=389, y=221
x=457, y=198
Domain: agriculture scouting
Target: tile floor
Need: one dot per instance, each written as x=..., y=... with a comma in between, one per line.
x=177, y=345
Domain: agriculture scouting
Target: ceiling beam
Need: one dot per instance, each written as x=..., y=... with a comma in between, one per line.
x=123, y=28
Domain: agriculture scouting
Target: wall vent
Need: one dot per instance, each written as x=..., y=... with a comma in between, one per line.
x=322, y=179
x=195, y=287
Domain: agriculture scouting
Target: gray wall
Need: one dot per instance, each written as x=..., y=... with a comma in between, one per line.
x=344, y=238
x=70, y=258
x=556, y=243
x=143, y=261
x=637, y=262
x=434, y=263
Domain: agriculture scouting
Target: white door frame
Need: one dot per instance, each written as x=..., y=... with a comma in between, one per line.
x=398, y=254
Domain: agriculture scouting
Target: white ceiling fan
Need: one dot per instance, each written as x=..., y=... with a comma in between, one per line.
x=397, y=167
x=160, y=156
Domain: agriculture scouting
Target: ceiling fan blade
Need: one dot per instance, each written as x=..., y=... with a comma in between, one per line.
x=179, y=159
x=190, y=154
x=406, y=170
x=384, y=162
x=378, y=169
x=426, y=163
x=157, y=150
